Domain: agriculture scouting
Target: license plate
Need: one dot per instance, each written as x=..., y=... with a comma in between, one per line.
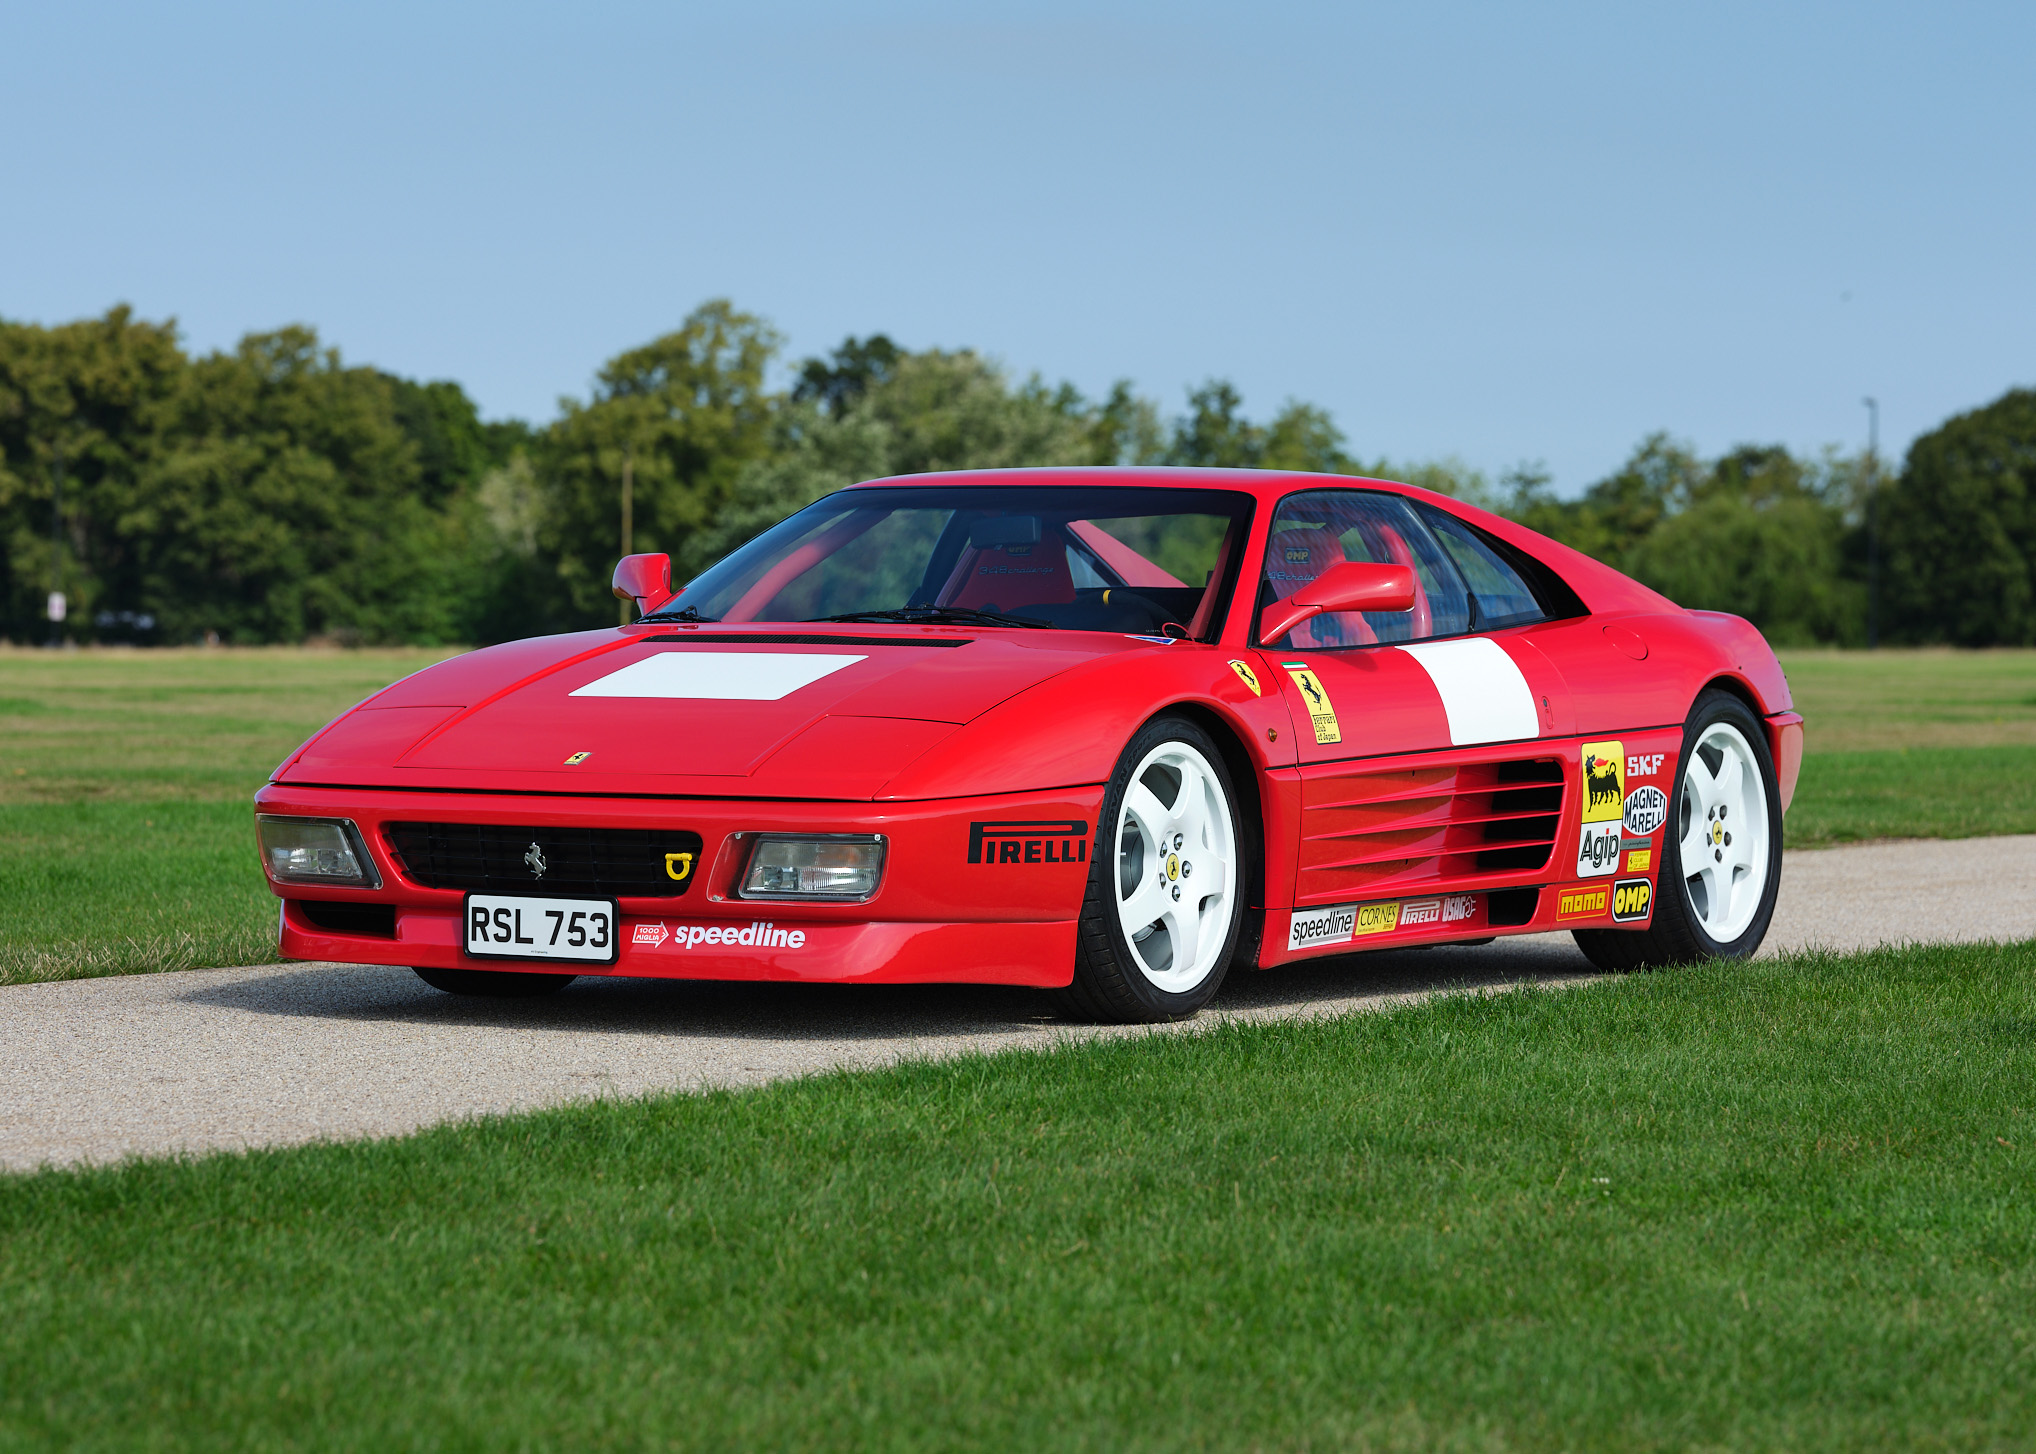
x=518, y=926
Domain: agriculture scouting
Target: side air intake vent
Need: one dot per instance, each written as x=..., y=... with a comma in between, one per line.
x=1365, y=833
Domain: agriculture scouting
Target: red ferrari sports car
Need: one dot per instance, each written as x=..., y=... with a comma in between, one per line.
x=1110, y=732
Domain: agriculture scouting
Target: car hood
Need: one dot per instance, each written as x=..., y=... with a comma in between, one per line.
x=688, y=711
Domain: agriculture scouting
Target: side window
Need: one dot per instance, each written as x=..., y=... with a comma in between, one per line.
x=1499, y=597
x=1317, y=529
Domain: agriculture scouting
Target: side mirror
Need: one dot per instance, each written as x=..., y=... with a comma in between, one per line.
x=644, y=579
x=1355, y=585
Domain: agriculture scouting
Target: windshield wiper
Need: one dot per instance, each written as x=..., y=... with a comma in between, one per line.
x=684, y=613
x=941, y=615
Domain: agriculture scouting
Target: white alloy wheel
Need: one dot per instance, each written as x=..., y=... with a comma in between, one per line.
x=1723, y=831
x=1176, y=881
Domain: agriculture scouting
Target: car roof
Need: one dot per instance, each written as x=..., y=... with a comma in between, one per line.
x=1261, y=484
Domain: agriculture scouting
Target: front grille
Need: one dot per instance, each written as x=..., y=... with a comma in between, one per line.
x=485, y=857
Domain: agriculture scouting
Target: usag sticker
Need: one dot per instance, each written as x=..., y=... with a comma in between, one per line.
x=1582, y=902
x=1246, y=675
x=1646, y=810
x=1604, y=782
x=1631, y=899
x=1321, y=711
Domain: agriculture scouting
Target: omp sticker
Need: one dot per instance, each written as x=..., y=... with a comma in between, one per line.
x=1646, y=810
x=1313, y=928
x=1640, y=860
x=1583, y=902
x=726, y=676
x=1631, y=899
x=1422, y=911
x=651, y=934
x=1377, y=918
x=1604, y=765
x=1483, y=693
x=1246, y=675
x=1321, y=711
x=1597, y=850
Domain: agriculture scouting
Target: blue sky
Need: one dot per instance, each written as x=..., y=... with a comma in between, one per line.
x=1500, y=232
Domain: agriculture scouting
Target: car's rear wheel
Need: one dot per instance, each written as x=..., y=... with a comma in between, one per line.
x=1160, y=921
x=494, y=984
x=1720, y=850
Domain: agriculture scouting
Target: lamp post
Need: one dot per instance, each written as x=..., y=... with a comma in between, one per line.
x=1872, y=525
x=58, y=606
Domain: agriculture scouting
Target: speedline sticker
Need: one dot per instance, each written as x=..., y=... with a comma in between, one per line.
x=1321, y=711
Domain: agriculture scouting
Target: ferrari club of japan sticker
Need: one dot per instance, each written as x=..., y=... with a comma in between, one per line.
x=1604, y=798
x=1321, y=711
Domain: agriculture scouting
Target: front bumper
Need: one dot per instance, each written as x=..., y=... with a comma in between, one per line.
x=951, y=908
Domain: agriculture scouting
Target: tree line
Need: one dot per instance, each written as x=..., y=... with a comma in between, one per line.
x=276, y=493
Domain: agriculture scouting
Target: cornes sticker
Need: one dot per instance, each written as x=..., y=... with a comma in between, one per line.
x=1646, y=810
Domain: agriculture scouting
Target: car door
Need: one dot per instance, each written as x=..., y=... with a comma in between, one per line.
x=1422, y=735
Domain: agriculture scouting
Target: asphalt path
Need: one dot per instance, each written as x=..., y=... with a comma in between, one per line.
x=223, y=1059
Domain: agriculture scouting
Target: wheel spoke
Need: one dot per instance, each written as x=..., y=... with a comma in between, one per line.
x=1147, y=903
x=1151, y=816
x=1184, y=927
x=1696, y=844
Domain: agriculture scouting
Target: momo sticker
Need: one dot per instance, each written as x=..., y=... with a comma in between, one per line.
x=1632, y=898
x=1583, y=901
x=1646, y=810
x=1321, y=711
x=1597, y=850
x=1246, y=675
x=1604, y=765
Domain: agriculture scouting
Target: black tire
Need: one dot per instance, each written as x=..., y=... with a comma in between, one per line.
x=1110, y=983
x=1676, y=934
x=494, y=984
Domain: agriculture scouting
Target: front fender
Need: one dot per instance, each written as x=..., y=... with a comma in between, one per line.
x=1070, y=729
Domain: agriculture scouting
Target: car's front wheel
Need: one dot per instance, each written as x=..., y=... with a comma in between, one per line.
x=494, y=984
x=1721, y=852
x=1160, y=921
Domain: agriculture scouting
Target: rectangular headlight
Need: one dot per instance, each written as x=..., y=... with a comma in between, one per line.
x=325, y=851
x=838, y=866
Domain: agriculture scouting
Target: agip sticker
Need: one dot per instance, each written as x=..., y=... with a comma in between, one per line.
x=1321, y=711
x=1604, y=778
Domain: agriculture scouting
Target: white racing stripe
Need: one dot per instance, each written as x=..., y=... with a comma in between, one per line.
x=728, y=676
x=1483, y=693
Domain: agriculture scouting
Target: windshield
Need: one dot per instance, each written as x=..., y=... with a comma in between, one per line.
x=1051, y=557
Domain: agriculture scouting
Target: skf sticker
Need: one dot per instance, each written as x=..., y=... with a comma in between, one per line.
x=1640, y=860
x=1646, y=810
x=1321, y=711
x=1604, y=782
x=577, y=758
x=1647, y=764
x=1246, y=675
x=1057, y=842
x=1582, y=902
x=1631, y=899
x=1597, y=850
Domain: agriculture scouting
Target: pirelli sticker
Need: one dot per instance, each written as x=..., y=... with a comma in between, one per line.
x=1315, y=696
x=1582, y=901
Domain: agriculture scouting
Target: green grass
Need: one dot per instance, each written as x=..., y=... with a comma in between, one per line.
x=126, y=826
x=125, y=831
x=1783, y=1205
